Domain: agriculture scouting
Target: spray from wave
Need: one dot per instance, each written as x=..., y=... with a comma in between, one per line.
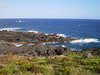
x=61, y=35
x=17, y=45
x=33, y=31
x=9, y=29
x=88, y=40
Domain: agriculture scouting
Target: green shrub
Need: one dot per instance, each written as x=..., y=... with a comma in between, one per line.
x=19, y=62
x=42, y=61
x=67, y=54
x=68, y=63
x=3, y=72
x=59, y=59
x=52, y=61
x=97, y=68
x=36, y=59
x=94, y=68
x=76, y=65
x=26, y=55
x=59, y=70
x=67, y=71
x=62, y=70
x=1, y=67
x=44, y=70
x=92, y=63
x=26, y=67
x=39, y=69
x=10, y=70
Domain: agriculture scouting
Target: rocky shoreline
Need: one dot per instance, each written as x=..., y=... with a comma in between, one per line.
x=32, y=50
x=32, y=37
x=24, y=53
x=32, y=43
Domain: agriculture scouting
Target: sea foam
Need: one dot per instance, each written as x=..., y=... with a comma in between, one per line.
x=33, y=31
x=9, y=29
x=88, y=40
x=61, y=35
x=63, y=45
x=17, y=45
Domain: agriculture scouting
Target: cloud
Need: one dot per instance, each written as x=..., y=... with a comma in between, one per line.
x=2, y=5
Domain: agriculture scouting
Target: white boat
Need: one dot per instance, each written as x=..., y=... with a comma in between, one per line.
x=19, y=21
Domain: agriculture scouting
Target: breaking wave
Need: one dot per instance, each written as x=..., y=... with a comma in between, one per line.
x=9, y=29
x=63, y=45
x=17, y=45
x=88, y=40
x=33, y=31
x=61, y=35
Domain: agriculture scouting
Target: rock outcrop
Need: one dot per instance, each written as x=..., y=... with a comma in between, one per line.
x=31, y=37
x=37, y=39
x=94, y=51
x=33, y=50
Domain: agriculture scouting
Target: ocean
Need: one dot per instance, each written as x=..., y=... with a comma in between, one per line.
x=76, y=28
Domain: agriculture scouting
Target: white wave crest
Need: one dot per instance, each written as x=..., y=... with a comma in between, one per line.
x=46, y=34
x=44, y=44
x=17, y=45
x=61, y=35
x=63, y=45
x=33, y=31
x=88, y=40
x=9, y=29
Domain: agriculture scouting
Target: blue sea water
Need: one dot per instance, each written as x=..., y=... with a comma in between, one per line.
x=76, y=28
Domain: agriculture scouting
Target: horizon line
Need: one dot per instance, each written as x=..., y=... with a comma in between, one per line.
x=52, y=18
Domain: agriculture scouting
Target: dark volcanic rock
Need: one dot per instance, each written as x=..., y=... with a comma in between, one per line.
x=94, y=50
x=35, y=38
x=62, y=50
x=4, y=48
x=11, y=36
x=37, y=50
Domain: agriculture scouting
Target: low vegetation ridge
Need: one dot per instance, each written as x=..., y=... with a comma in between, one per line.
x=73, y=63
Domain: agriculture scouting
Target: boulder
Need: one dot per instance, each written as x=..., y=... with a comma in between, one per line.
x=89, y=55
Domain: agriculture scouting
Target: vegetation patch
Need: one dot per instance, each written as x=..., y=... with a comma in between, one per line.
x=71, y=64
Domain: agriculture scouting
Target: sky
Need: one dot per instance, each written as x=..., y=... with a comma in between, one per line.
x=74, y=9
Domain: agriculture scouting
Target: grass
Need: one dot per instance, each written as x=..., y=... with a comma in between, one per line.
x=73, y=64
